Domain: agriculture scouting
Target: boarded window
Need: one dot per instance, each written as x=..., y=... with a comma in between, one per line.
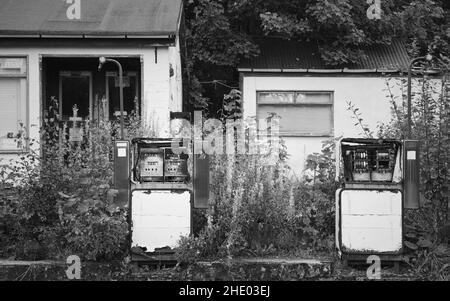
x=13, y=93
x=301, y=113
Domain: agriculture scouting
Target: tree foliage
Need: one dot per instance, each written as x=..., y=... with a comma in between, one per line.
x=220, y=33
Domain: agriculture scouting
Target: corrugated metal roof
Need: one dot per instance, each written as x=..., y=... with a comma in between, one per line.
x=98, y=17
x=278, y=54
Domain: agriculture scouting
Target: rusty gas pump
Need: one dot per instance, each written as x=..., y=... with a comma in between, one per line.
x=162, y=181
x=380, y=181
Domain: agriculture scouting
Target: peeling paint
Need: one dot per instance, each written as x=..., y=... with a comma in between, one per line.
x=371, y=220
x=160, y=218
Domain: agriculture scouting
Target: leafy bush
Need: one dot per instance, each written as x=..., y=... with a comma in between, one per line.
x=430, y=120
x=261, y=209
x=62, y=203
x=430, y=125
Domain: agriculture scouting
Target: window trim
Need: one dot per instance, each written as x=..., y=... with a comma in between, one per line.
x=26, y=119
x=296, y=104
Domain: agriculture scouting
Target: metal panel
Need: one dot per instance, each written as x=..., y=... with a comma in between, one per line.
x=282, y=55
x=370, y=221
x=99, y=17
x=411, y=177
x=201, y=181
x=122, y=171
x=160, y=218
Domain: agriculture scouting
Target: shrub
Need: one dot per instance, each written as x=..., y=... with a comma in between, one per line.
x=430, y=125
x=430, y=120
x=261, y=209
x=61, y=202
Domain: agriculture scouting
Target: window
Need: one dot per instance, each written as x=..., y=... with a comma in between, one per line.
x=130, y=93
x=301, y=113
x=75, y=91
x=75, y=101
x=13, y=104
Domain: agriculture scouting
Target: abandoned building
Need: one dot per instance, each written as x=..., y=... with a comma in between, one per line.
x=51, y=49
x=290, y=79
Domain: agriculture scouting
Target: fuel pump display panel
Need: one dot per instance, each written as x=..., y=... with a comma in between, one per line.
x=371, y=162
x=160, y=161
x=175, y=166
x=151, y=164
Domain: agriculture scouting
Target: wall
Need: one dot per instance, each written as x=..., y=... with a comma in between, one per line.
x=158, y=100
x=368, y=93
x=176, y=89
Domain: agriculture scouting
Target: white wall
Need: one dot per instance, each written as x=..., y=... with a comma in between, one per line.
x=176, y=89
x=158, y=99
x=367, y=93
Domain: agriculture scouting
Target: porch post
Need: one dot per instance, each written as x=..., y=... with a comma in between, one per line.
x=103, y=60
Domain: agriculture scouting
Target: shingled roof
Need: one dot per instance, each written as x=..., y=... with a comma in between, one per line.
x=279, y=55
x=123, y=18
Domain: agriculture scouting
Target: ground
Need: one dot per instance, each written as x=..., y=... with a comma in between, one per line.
x=239, y=269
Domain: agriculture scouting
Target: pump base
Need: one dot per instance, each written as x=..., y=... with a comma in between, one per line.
x=386, y=259
x=163, y=257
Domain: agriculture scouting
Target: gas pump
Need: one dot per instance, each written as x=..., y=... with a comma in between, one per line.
x=380, y=180
x=162, y=181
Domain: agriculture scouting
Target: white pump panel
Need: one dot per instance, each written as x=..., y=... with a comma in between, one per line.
x=160, y=218
x=371, y=220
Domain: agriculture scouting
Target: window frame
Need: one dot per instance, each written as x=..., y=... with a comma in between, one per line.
x=75, y=74
x=113, y=74
x=297, y=104
x=26, y=99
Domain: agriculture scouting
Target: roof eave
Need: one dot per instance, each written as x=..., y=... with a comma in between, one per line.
x=322, y=71
x=89, y=36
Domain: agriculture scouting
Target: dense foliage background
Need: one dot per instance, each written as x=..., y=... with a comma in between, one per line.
x=64, y=204
x=220, y=33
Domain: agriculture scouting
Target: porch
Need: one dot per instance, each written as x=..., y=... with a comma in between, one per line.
x=84, y=93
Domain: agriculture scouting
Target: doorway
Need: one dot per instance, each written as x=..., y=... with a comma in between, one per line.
x=85, y=95
x=75, y=95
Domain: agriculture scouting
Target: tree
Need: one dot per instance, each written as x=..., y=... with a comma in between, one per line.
x=219, y=33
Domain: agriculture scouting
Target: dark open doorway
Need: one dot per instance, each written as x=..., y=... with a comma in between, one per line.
x=87, y=93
